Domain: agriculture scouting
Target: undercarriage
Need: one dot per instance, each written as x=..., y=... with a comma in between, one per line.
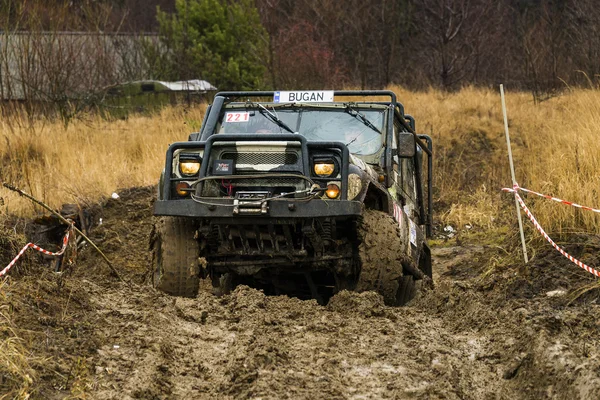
x=307, y=258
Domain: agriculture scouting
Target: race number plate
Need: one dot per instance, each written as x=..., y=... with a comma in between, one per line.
x=237, y=117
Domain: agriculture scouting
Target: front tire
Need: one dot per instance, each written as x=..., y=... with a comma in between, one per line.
x=380, y=255
x=175, y=252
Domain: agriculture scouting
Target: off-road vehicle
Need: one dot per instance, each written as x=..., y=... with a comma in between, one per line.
x=302, y=193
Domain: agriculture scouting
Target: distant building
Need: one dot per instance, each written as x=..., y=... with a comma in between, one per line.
x=54, y=65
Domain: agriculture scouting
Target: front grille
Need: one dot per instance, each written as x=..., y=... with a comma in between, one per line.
x=262, y=158
x=253, y=161
x=269, y=182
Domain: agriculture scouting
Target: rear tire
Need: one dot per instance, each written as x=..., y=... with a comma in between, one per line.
x=175, y=252
x=380, y=255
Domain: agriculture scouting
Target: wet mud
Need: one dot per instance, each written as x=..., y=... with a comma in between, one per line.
x=481, y=333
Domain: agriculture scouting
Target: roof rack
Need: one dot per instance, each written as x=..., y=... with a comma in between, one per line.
x=348, y=93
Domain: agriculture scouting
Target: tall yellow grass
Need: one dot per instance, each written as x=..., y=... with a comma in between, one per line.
x=90, y=158
x=555, y=147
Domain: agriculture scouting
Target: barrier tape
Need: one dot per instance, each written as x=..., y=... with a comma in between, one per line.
x=541, y=230
x=569, y=203
x=38, y=248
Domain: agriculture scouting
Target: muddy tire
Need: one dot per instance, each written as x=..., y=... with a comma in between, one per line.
x=380, y=256
x=175, y=257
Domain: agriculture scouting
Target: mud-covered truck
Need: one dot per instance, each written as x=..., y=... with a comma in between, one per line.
x=300, y=193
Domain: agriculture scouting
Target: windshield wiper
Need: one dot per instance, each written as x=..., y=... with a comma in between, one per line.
x=275, y=119
x=350, y=109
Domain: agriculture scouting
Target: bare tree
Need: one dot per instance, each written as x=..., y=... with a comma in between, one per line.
x=46, y=68
x=453, y=33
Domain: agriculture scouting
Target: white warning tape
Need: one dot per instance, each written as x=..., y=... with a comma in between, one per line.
x=541, y=230
x=38, y=248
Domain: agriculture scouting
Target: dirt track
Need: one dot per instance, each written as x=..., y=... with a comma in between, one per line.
x=474, y=337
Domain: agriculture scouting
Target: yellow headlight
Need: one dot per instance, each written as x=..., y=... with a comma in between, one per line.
x=333, y=191
x=189, y=167
x=324, y=169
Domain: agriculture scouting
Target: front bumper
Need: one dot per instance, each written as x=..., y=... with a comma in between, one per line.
x=276, y=208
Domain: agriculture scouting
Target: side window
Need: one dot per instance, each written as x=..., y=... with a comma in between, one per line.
x=395, y=138
x=408, y=178
x=395, y=159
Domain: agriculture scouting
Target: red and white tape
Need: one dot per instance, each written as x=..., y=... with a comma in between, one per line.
x=38, y=248
x=541, y=230
x=569, y=203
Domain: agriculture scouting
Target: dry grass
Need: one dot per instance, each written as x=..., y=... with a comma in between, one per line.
x=89, y=159
x=16, y=373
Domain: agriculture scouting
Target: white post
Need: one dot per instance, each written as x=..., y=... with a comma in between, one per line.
x=512, y=173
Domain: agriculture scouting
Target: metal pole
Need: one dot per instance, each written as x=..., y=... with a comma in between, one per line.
x=512, y=173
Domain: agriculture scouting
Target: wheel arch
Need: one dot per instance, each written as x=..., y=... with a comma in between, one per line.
x=376, y=198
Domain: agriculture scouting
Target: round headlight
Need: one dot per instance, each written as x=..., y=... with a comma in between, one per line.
x=354, y=186
x=333, y=191
x=324, y=169
x=189, y=167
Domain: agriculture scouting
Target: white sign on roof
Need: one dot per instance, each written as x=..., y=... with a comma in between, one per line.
x=304, y=97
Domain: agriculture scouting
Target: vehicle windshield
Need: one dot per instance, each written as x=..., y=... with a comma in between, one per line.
x=324, y=124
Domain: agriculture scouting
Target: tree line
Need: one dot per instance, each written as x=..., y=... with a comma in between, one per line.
x=538, y=45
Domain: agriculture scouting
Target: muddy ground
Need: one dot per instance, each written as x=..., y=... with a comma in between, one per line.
x=509, y=332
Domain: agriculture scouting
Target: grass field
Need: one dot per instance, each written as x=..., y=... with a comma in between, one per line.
x=554, y=144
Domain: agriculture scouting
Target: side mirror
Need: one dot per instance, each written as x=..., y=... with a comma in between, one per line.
x=406, y=145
